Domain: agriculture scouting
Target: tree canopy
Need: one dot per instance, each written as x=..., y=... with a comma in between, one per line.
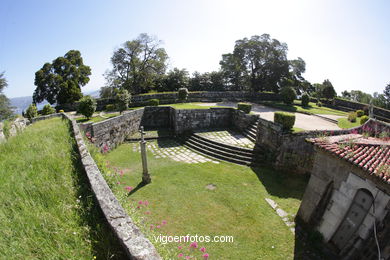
x=137, y=65
x=260, y=64
x=5, y=105
x=61, y=81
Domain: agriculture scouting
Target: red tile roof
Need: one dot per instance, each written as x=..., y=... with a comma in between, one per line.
x=368, y=153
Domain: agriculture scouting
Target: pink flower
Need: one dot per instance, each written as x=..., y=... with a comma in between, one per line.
x=180, y=255
x=146, y=203
x=129, y=188
x=118, y=182
x=147, y=212
x=194, y=245
x=206, y=256
x=158, y=226
x=138, y=207
x=121, y=172
x=164, y=222
x=88, y=134
x=203, y=249
x=188, y=257
x=179, y=247
x=140, y=202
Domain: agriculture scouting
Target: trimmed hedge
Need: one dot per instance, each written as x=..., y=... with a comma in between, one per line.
x=153, y=102
x=305, y=100
x=245, y=107
x=287, y=120
x=288, y=95
x=359, y=113
x=110, y=107
x=364, y=119
x=352, y=117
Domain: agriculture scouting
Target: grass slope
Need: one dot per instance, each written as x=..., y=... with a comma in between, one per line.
x=236, y=207
x=48, y=211
x=312, y=108
x=344, y=123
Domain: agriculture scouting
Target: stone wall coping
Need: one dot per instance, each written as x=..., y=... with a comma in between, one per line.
x=133, y=241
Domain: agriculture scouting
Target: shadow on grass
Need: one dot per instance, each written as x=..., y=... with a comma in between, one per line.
x=139, y=186
x=105, y=244
x=281, y=184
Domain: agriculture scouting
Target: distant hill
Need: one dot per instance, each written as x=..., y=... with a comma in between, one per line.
x=21, y=103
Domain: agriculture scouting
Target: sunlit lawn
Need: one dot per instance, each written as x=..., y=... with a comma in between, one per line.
x=312, y=108
x=345, y=124
x=236, y=207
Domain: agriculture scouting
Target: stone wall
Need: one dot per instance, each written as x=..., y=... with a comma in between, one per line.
x=170, y=98
x=187, y=120
x=113, y=131
x=157, y=117
x=341, y=180
x=14, y=127
x=241, y=120
x=289, y=151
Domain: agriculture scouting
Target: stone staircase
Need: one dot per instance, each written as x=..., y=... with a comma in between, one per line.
x=251, y=131
x=225, y=152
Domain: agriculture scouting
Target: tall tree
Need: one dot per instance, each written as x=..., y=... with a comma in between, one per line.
x=5, y=106
x=386, y=93
x=137, y=65
x=328, y=91
x=174, y=80
x=258, y=63
x=61, y=81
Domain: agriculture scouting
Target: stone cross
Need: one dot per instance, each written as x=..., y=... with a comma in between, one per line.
x=145, y=173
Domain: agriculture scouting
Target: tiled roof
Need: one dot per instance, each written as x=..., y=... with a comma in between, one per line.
x=368, y=153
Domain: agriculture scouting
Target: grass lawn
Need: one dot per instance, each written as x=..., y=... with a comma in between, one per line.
x=237, y=208
x=47, y=210
x=345, y=124
x=312, y=108
x=97, y=118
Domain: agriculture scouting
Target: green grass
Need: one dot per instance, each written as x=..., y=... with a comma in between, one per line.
x=297, y=130
x=48, y=211
x=345, y=124
x=312, y=108
x=236, y=207
x=96, y=119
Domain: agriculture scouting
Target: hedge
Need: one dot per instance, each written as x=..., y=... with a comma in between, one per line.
x=352, y=117
x=287, y=120
x=110, y=107
x=359, y=113
x=364, y=119
x=245, y=107
x=153, y=102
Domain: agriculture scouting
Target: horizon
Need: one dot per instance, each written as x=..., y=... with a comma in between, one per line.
x=345, y=42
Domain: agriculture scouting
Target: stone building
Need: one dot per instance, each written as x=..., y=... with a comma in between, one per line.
x=348, y=196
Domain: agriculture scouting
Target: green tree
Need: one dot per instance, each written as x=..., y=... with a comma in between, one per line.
x=288, y=95
x=175, y=79
x=258, y=63
x=47, y=110
x=107, y=92
x=87, y=106
x=328, y=91
x=5, y=105
x=123, y=98
x=137, y=65
x=31, y=111
x=61, y=81
x=386, y=94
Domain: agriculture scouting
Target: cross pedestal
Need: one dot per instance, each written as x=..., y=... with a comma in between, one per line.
x=145, y=173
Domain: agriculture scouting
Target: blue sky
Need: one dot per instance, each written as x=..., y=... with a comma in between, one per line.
x=345, y=41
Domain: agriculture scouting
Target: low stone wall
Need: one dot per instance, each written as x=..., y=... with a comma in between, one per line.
x=290, y=151
x=157, y=117
x=170, y=98
x=113, y=131
x=14, y=127
x=241, y=120
x=187, y=120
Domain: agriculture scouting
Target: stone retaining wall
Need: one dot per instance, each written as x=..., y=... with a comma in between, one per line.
x=157, y=117
x=113, y=131
x=187, y=120
x=170, y=98
x=241, y=120
x=14, y=127
x=290, y=151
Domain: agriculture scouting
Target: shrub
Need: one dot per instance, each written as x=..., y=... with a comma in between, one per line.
x=287, y=120
x=245, y=107
x=61, y=111
x=366, y=110
x=352, y=117
x=123, y=99
x=153, y=102
x=359, y=113
x=31, y=111
x=305, y=100
x=87, y=106
x=47, y=110
x=183, y=94
x=319, y=104
x=288, y=95
x=364, y=119
x=110, y=107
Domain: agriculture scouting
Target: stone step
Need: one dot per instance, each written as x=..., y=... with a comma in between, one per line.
x=234, y=148
x=231, y=149
x=215, y=155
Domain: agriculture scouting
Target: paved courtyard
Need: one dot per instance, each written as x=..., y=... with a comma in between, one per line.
x=169, y=148
x=303, y=121
x=227, y=137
